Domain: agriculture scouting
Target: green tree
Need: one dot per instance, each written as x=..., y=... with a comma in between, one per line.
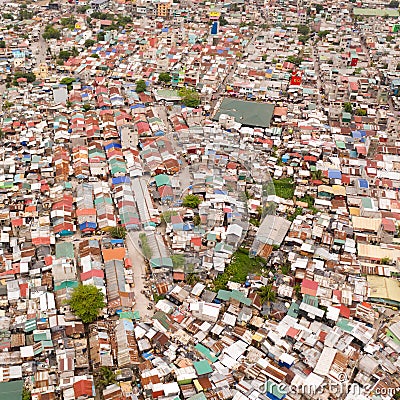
x=267, y=294
x=393, y=4
x=147, y=252
x=74, y=52
x=86, y=302
x=322, y=34
x=297, y=291
x=223, y=21
x=166, y=215
x=68, y=22
x=106, y=377
x=68, y=81
x=303, y=38
x=2, y=44
x=51, y=33
x=29, y=76
x=118, y=232
x=361, y=112
x=303, y=29
x=296, y=60
x=191, y=201
x=178, y=260
x=196, y=220
x=385, y=261
x=89, y=43
x=8, y=16
x=7, y=105
x=264, y=57
x=140, y=86
x=190, y=98
x=82, y=9
x=86, y=107
x=26, y=394
x=347, y=107
x=101, y=37
x=318, y=8
x=164, y=77
x=191, y=279
x=64, y=55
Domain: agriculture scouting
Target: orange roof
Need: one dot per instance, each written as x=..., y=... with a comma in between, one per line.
x=114, y=254
x=86, y=211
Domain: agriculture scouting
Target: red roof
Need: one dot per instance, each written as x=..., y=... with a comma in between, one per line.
x=292, y=332
x=196, y=241
x=346, y=179
x=23, y=288
x=83, y=387
x=93, y=273
x=309, y=287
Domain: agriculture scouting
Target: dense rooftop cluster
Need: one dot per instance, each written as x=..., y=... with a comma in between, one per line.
x=199, y=201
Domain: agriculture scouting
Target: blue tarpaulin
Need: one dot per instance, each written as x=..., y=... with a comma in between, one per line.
x=334, y=174
x=111, y=145
x=87, y=225
x=117, y=241
x=120, y=179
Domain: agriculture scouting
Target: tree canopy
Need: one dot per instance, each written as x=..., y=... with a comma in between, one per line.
x=29, y=76
x=118, y=232
x=191, y=201
x=89, y=43
x=164, y=77
x=267, y=294
x=303, y=29
x=51, y=33
x=190, y=98
x=86, y=302
x=348, y=107
x=140, y=86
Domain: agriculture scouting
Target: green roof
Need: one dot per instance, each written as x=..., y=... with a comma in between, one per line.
x=343, y=324
x=161, y=262
x=162, y=318
x=340, y=144
x=274, y=389
x=247, y=113
x=202, y=367
x=205, y=352
x=293, y=310
x=162, y=180
x=11, y=390
x=376, y=12
x=30, y=325
x=198, y=396
x=366, y=202
x=65, y=250
x=129, y=315
x=226, y=295
x=66, y=284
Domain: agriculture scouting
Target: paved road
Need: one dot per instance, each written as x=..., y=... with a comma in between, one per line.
x=138, y=271
x=39, y=49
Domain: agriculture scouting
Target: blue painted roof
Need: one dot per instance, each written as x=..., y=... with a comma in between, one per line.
x=334, y=174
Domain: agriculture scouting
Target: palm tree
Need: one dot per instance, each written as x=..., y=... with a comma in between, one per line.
x=267, y=294
x=106, y=377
